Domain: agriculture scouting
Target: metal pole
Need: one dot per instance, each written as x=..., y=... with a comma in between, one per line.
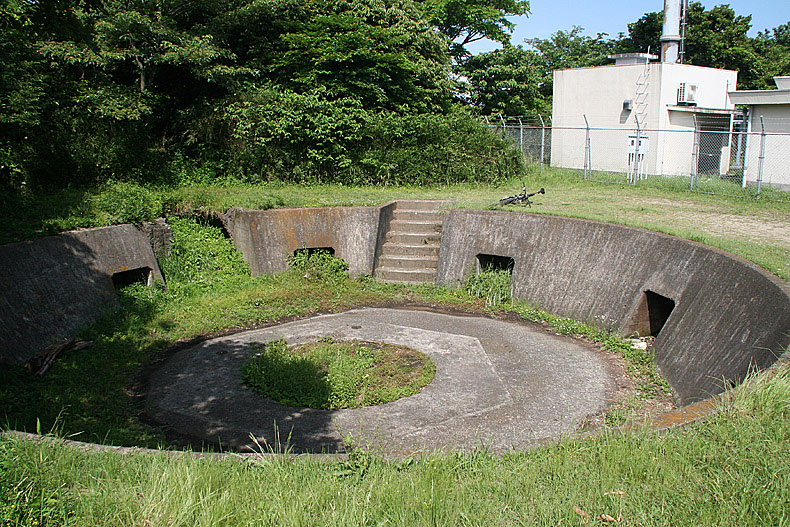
x=587, y=158
x=694, y=155
x=542, y=141
x=762, y=157
x=747, y=138
x=636, y=153
x=521, y=135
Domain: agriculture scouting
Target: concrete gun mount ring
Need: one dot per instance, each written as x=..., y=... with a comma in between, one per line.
x=499, y=385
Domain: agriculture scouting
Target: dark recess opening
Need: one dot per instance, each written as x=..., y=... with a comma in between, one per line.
x=132, y=276
x=651, y=315
x=495, y=262
x=312, y=250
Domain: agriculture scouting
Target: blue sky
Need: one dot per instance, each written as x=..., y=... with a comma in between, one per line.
x=613, y=16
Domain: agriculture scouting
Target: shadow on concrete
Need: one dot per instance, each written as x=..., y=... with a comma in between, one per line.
x=53, y=289
x=201, y=382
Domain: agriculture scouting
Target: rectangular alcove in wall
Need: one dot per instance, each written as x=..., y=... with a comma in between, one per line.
x=141, y=275
x=495, y=262
x=309, y=251
x=650, y=315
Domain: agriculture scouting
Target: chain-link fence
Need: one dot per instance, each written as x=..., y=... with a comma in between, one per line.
x=719, y=154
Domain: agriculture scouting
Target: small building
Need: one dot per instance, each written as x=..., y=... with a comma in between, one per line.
x=642, y=116
x=664, y=103
x=768, y=134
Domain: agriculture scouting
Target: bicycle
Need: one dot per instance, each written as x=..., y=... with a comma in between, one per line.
x=520, y=199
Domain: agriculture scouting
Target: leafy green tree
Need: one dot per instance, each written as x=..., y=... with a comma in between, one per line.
x=715, y=38
x=381, y=54
x=467, y=21
x=505, y=81
x=773, y=48
x=568, y=49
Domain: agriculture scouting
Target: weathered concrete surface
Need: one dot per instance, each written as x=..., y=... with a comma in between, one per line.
x=266, y=238
x=53, y=286
x=498, y=385
x=729, y=314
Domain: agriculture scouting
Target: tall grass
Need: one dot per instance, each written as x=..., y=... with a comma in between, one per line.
x=730, y=470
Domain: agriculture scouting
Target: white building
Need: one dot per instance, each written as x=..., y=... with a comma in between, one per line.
x=768, y=124
x=666, y=102
x=645, y=117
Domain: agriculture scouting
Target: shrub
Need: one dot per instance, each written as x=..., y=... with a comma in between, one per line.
x=122, y=202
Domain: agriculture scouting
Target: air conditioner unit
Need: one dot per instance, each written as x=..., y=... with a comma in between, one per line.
x=687, y=94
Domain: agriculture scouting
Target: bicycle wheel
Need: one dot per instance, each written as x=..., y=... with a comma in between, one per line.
x=506, y=201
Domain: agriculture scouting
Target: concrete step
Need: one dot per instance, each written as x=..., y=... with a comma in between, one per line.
x=410, y=238
x=409, y=276
x=407, y=262
x=402, y=249
x=435, y=216
x=415, y=227
x=421, y=204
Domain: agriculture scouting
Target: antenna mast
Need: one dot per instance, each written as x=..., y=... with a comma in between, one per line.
x=684, y=6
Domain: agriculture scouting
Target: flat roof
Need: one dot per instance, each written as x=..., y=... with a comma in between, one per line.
x=760, y=96
x=698, y=109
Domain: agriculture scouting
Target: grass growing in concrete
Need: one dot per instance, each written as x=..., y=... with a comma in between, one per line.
x=492, y=285
x=334, y=375
x=210, y=291
x=729, y=470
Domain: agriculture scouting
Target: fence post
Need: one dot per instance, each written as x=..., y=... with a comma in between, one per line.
x=521, y=136
x=762, y=157
x=746, y=140
x=542, y=141
x=694, y=156
x=587, y=157
x=636, y=153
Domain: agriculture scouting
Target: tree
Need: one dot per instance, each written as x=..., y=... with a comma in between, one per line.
x=465, y=21
x=773, y=48
x=505, y=81
x=716, y=38
x=568, y=49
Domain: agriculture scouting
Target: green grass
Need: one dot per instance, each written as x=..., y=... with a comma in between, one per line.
x=334, y=375
x=730, y=470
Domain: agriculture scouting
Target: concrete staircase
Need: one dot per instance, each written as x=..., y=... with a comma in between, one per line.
x=410, y=252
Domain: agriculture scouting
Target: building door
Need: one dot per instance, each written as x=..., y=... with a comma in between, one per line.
x=714, y=136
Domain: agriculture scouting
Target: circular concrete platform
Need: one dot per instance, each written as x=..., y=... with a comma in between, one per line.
x=499, y=385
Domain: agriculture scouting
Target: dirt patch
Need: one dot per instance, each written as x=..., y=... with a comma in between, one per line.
x=771, y=227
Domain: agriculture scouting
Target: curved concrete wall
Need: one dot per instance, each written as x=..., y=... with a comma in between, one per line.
x=729, y=314
x=54, y=286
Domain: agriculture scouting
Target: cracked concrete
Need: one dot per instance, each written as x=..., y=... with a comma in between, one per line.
x=499, y=385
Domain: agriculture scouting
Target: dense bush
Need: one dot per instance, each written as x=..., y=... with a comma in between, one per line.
x=297, y=137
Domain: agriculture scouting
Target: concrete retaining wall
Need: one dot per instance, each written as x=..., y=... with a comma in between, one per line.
x=54, y=286
x=729, y=314
x=267, y=238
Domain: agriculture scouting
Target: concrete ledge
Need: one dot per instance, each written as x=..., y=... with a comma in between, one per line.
x=54, y=286
x=729, y=315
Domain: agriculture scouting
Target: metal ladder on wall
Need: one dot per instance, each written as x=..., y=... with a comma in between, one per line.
x=635, y=168
x=642, y=92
